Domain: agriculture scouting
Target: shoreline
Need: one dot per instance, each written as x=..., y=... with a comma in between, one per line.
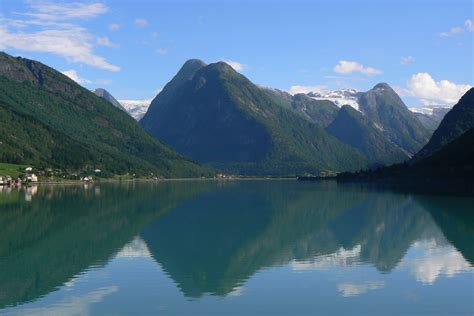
x=71, y=182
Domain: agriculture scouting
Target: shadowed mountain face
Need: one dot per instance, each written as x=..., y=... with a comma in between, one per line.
x=321, y=112
x=355, y=129
x=384, y=107
x=432, y=121
x=456, y=122
x=52, y=233
x=218, y=117
x=48, y=120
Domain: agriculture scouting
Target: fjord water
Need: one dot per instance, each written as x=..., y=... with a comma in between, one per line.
x=240, y=247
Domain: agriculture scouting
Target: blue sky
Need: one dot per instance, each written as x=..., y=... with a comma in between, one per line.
x=133, y=48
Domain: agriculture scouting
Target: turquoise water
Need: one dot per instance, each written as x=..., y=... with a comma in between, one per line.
x=239, y=248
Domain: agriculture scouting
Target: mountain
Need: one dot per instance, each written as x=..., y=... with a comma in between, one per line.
x=185, y=74
x=446, y=162
x=355, y=129
x=456, y=155
x=384, y=107
x=218, y=117
x=339, y=97
x=48, y=120
x=455, y=123
x=430, y=117
x=104, y=94
x=136, y=108
x=322, y=112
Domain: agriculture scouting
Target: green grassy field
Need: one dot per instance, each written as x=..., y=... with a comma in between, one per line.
x=7, y=169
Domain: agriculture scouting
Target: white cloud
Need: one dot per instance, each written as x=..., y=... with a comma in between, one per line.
x=53, y=35
x=405, y=60
x=72, y=44
x=422, y=85
x=469, y=25
x=307, y=89
x=103, y=81
x=347, y=67
x=105, y=41
x=72, y=304
x=453, y=31
x=434, y=260
x=352, y=289
x=236, y=65
x=162, y=50
x=74, y=76
x=141, y=22
x=114, y=26
x=65, y=11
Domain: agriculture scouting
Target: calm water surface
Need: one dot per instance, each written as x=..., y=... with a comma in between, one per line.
x=245, y=248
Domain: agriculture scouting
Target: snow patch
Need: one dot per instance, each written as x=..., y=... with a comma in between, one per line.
x=338, y=97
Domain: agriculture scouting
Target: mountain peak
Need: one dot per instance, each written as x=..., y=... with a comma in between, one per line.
x=382, y=86
x=104, y=94
x=194, y=62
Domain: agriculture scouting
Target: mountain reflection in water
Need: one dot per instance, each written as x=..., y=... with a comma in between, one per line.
x=212, y=238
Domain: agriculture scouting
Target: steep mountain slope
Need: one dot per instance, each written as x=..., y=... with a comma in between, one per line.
x=457, y=154
x=446, y=161
x=49, y=120
x=459, y=120
x=104, y=94
x=355, y=129
x=185, y=74
x=430, y=117
x=384, y=107
x=220, y=118
x=322, y=112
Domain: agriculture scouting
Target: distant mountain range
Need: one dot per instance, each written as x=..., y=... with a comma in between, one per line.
x=48, y=120
x=448, y=155
x=217, y=117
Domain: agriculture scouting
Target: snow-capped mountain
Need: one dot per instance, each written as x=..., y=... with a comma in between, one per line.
x=431, y=109
x=338, y=97
x=136, y=108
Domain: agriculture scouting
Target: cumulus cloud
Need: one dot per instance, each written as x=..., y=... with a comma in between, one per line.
x=435, y=260
x=423, y=86
x=405, y=60
x=53, y=35
x=141, y=22
x=307, y=89
x=347, y=67
x=114, y=26
x=105, y=41
x=236, y=65
x=74, y=76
